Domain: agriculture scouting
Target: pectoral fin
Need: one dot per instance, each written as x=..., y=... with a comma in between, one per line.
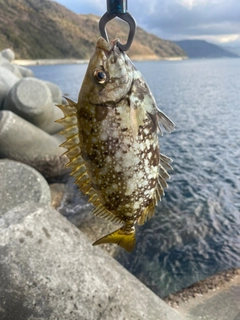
x=121, y=237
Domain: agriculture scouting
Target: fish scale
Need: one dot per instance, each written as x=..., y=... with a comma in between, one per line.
x=112, y=142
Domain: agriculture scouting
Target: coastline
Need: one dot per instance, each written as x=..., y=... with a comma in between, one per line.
x=48, y=62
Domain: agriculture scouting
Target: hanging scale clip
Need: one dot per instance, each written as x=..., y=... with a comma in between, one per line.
x=118, y=8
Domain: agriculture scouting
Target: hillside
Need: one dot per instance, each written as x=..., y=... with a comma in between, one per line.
x=235, y=49
x=41, y=29
x=204, y=49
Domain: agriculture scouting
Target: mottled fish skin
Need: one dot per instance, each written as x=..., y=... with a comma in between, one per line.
x=118, y=158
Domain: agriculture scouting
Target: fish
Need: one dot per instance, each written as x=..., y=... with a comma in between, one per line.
x=112, y=143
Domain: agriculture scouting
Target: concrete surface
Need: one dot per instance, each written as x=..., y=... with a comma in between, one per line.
x=219, y=304
x=12, y=68
x=25, y=72
x=55, y=91
x=214, y=298
x=7, y=81
x=31, y=99
x=22, y=141
x=21, y=184
x=50, y=270
x=8, y=54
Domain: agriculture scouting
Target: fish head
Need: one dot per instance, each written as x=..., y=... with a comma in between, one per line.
x=109, y=75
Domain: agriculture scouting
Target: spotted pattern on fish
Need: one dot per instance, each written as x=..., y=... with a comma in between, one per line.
x=112, y=141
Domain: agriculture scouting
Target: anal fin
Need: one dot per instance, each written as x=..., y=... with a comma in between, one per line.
x=147, y=213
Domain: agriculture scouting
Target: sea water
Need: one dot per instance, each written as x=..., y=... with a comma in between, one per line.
x=196, y=228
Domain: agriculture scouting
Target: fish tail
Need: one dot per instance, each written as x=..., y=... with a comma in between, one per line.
x=124, y=237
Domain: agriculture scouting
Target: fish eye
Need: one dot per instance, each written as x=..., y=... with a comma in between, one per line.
x=100, y=76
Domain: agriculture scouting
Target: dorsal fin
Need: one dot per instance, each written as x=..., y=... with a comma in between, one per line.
x=72, y=144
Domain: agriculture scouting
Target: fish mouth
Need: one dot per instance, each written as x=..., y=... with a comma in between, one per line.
x=109, y=103
x=112, y=103
x=106, y=46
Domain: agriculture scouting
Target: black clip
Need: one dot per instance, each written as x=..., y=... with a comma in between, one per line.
x=118, y=8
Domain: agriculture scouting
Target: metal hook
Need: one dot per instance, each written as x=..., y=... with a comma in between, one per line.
x=118, y=8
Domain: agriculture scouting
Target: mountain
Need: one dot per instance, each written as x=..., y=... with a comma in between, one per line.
x=235, y=49
x=203, y=49
x=41, y=29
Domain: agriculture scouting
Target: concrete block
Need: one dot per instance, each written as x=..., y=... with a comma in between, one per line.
x=31, y=99
x=13, y=68
x=25, y=72
x=56, y=92
x=21, y=184
x=22, y=141
x=8, y=54
x=7, y=81
x=50, y=270
x=3, y=60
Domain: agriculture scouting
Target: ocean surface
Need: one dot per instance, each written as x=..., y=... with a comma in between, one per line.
x=196, y=228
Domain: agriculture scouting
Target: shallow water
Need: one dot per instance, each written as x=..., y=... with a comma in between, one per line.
x=196, y=229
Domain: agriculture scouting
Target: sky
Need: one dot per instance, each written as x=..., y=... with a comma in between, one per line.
x=216, y=21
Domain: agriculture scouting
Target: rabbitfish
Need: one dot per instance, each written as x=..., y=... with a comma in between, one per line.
x=112, y=142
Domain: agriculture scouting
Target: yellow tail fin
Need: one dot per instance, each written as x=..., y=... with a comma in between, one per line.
x=123, y=238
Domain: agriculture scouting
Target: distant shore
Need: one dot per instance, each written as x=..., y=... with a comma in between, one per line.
x=46, y=62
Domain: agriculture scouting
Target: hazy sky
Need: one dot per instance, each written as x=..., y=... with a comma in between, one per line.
x=212, y=20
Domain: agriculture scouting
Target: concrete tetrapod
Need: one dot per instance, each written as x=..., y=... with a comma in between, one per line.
x=56, y=92
x=31, y=99
x=21, y=184
x=8, y=54
x=22, y=141
x=25, y=71
x=7, y=81
x=12, y=68
x=50, y=270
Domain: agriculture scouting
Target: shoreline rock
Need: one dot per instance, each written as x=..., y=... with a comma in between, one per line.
x=49, y=270
x=216, y=297
x=27, y=119
x=31, y=99
x=200, y=288
x=22, y=141
x=20, y=184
